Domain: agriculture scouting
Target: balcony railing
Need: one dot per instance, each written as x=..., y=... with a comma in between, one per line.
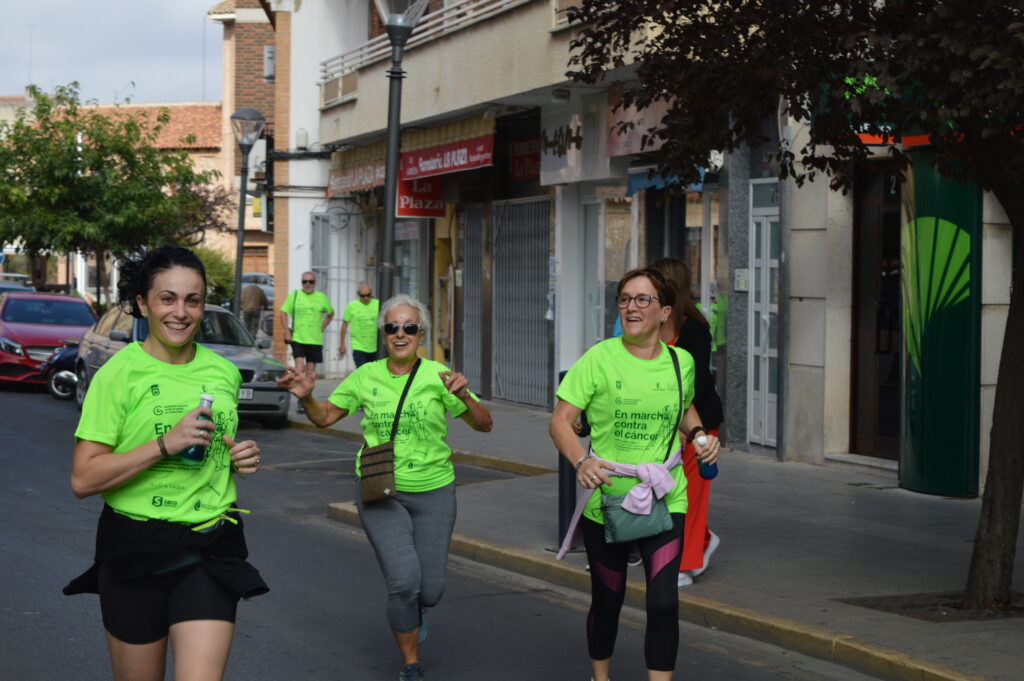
x=337, y=74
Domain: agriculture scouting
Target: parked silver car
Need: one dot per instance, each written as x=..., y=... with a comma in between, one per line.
x=259, y=398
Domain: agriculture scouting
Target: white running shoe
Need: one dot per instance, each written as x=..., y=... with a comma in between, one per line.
x=684, y=579
x=712, y=545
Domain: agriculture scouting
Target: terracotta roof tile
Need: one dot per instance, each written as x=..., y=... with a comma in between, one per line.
x=201, y=120
x=223, y=7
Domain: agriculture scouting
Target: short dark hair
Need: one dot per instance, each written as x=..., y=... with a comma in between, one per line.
x=136, y=274
x=663, y=285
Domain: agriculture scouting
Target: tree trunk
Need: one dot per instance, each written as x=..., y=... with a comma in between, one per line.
x=995, y=542
x=99, y=280
x=38, y=264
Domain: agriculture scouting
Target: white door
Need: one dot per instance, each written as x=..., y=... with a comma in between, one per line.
x=763, y=369
x=593, y=298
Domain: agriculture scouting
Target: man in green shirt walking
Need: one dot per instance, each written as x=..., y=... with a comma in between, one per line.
x=311, y=312
x=362, y=315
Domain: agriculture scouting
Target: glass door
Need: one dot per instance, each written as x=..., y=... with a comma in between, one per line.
x=763, y=369
x=593, y=298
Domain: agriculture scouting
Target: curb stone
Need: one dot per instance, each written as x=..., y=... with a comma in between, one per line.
x=842, y=649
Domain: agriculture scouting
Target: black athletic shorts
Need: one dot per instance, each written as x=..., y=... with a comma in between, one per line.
x=311, y=353
x=143, y=610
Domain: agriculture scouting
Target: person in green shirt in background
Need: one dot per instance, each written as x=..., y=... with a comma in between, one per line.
x=362, y=315
x=411, y=532
x=170, y=562
x=305, y=333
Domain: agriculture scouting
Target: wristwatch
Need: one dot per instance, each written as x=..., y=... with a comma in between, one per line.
x=693, y=432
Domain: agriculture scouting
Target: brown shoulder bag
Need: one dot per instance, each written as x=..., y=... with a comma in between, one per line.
x=377, y=464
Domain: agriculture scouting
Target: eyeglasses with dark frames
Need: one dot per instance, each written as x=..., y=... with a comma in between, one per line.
x=642, y=300
x=410, y=328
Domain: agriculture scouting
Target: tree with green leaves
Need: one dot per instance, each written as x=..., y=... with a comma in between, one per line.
x=73, y=178
x=949, y=69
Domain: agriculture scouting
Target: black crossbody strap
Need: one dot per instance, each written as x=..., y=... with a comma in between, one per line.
x=405, y=391
x=679, y=414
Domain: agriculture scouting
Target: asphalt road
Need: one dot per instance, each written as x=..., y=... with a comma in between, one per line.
x=323, y=619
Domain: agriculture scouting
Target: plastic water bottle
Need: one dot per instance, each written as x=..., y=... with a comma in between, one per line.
x=708, y=471
x=197, y=453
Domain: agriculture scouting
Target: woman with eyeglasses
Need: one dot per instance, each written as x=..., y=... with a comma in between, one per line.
x=638, y=394
x=411, y=532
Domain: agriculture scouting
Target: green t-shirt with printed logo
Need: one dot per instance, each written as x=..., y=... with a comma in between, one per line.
x=135, y=397
x=362, y=324
x=307, y=311
x=422, y=457
x=631, y=406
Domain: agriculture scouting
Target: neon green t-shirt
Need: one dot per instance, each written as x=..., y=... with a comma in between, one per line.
x=307, y=311
x=422, y=457
x=135, y=397
x=362, y=324
x=631, y=406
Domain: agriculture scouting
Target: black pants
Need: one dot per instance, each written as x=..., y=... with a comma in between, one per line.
x=661, y=554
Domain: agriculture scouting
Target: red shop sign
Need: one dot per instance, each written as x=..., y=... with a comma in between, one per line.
x=420, y=199
x=448, y=158
x=524, y=159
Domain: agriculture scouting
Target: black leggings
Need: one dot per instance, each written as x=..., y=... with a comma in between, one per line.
x=661, y=554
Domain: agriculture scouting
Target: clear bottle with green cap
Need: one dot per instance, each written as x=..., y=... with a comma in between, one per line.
x=197, y=453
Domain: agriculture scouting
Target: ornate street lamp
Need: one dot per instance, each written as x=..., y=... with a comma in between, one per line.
x=248, y=125
x=400, y=18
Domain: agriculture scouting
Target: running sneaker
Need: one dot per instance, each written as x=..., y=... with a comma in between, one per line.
x=712, y=545
x=684, y=579
x=411, y=672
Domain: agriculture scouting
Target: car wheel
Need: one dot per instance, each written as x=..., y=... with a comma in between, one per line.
x=82, y=386
x=59, y=387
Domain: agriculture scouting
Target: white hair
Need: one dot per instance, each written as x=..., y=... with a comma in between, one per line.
x=403, y=299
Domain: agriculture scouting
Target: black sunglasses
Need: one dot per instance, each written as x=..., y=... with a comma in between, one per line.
x=309, y=281
x=365, y=295
x=410, y=329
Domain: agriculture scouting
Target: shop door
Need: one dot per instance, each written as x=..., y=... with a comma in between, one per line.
x=473, y=297
x=763, y=369
x=878, y=339
x=522, y=346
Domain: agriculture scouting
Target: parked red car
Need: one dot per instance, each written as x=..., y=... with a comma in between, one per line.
x=31, y=326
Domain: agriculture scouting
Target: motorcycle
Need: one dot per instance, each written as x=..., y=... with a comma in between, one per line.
x=59, y=370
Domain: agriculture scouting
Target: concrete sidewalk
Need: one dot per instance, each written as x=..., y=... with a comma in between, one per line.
x=795, y=539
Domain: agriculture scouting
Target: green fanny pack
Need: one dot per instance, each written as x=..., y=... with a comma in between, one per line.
x=622, y=526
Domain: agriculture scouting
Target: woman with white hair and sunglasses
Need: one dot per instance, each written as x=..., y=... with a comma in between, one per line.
x=410, y=531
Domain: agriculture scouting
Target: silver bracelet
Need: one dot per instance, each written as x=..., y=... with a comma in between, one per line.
x=580, y=462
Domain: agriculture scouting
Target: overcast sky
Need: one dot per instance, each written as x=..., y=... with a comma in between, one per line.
x=106, y=45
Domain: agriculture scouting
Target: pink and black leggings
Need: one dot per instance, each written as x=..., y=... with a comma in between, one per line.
x=661, y=555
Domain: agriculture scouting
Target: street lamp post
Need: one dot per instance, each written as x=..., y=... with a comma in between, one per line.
x=248, y=126
x=400, y=18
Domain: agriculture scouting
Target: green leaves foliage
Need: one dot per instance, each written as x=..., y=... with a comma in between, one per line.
x=949, y=69
x=75, y=179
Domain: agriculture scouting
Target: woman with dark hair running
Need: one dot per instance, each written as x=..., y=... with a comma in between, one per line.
x=687, y=328
x=635, y=414
x=170, y=562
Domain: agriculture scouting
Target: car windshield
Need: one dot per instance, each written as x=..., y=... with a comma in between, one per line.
x=223, y=328
x=43, y=311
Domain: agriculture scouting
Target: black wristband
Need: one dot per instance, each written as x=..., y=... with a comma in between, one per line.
x=693, y=432
x=161, y=445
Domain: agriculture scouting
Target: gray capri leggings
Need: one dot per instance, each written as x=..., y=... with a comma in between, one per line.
x=411, y=534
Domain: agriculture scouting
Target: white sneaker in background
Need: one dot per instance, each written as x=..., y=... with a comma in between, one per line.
x=712, y=545
x=684, y=579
